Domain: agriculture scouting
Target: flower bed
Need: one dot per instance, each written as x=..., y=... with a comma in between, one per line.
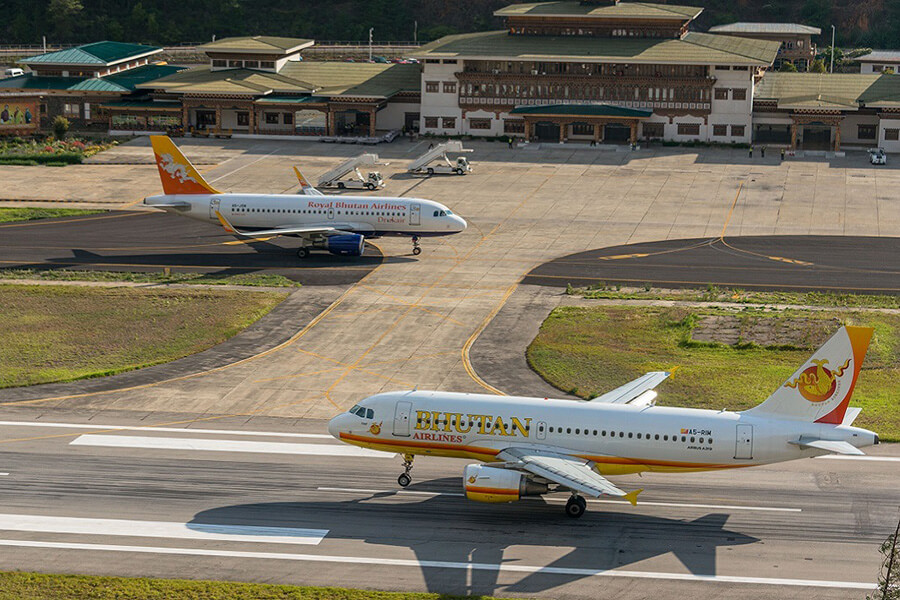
x=19, y=151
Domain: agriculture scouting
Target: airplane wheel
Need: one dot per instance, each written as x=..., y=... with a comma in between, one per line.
x=370, y=186
x=302, y=252
x=430, y=171
x=417, y=251
x=404, y=480
x=459, y=171
x=340, y=185
x=576, y=506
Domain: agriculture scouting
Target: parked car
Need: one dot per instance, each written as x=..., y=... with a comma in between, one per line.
x=877, y=156
x=13, y=72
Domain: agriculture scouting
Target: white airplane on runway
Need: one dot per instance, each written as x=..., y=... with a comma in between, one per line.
x=538, y=445
x=336, y=224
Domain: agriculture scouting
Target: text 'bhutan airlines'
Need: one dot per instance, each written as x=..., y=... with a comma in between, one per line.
x=536, y=445
x=339, y=225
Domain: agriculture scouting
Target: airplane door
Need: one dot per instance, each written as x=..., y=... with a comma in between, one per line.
x=213, y=207
x=541, y=430
x=415, y=214
x=330, y=213
x=743, y=448
x=401, y=418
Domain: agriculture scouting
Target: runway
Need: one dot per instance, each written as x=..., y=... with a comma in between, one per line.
x=85, y=496
x=152, y=241
x=818, y=263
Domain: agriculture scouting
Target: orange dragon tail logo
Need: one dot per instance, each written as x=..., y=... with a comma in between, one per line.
x=375, y=428
x=818, y=383
x=176, y=172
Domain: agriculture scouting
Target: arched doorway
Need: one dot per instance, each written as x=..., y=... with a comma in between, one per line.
x=545, y=131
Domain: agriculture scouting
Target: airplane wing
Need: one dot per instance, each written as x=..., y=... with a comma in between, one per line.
x=636, y=392
x=574, y=473
x=305, y=187
x=302, y=230
x=834, y=446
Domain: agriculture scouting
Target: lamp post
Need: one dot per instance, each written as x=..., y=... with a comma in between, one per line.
x=831, y=68
x=371, y=29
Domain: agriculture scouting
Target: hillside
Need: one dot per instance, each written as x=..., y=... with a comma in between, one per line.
x=874, y=23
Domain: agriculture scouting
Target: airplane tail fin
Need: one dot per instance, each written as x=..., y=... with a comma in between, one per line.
x=820, y=390
x=177, y=173
x=305, y=186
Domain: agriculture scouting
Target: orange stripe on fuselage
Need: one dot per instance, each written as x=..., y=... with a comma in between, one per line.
x=490, y=455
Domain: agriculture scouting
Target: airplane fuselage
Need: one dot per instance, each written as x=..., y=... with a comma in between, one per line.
x=370, y=216
x=618, y=438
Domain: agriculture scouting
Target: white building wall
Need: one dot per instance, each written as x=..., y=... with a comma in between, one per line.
x=393, y=116
x=850, y=130
x=731, y=111
x=441, y=105
x=888, y=145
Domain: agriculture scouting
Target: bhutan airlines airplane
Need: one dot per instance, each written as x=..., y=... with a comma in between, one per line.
x=537, y=445
x=336, y=224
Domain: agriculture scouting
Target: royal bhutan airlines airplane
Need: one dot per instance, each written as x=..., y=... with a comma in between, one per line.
x=336, y=224
x=535, y=445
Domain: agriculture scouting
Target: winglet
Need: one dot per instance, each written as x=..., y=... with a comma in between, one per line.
x=226, y=225
x=632, y=496
x=673, y=370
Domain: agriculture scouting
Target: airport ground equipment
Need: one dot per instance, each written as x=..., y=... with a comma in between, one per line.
x=336, y=177
x=437, y=161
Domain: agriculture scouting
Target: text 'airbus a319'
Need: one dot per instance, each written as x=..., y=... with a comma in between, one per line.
x=339, y=225
x=536, y=445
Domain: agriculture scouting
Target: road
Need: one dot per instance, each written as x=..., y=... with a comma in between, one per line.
x=276, y=500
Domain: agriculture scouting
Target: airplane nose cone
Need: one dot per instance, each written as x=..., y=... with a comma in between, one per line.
x=334, y=426
x=461, y=224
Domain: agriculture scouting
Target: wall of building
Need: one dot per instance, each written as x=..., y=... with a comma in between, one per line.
x=883, y=142
x=441, y=104
x=393, y=116
x=850, y=130
x=731, y=112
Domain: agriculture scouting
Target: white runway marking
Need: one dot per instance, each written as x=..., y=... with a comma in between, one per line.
x=207, y=445
x=162, y=529
x=3, y=474
x=150, y=428
x=436, y=564
x=873, y=458
x=561, y=500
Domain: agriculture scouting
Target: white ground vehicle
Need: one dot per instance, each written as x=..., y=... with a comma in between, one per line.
x=335, y=177
x=13, y=72
x=436, y=160
x=877, y=156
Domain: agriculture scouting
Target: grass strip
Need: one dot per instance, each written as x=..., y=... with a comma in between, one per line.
x=589, y=351
x=63, y=333
x=11, y=215
x=154, y=277
x=37, y=586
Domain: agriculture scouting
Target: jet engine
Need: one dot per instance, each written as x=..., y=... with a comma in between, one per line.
x=349, y=244
x=490, y=484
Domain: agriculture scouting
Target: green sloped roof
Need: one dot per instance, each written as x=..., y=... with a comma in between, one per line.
x=767, y=29
x=121, y=82
x=32, y=82
x=257, y=44
x=98, y=53
x=839, y=91
x=588, y=110
x=694, y=48
x=322, y=78
x=376, y=80
x=622, y=10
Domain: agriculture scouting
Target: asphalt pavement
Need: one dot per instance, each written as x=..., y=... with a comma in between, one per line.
x=279, y=501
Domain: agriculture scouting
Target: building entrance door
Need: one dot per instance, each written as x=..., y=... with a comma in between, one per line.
x=816, y=137
x=546, y=131
x=614, y=133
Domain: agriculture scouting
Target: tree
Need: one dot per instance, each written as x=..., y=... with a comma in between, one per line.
x=788, y=67
x=60, y=127
x=889, y=578
x=64, y=14
x=818, y=66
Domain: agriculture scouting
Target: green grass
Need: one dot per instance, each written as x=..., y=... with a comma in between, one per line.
x=10, y=215
x=589, y=351
x=716, y=294
x=35, y=586
x=246, y=279
x=63, y=333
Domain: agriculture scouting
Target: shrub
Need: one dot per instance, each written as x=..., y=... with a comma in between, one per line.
x=60, y=127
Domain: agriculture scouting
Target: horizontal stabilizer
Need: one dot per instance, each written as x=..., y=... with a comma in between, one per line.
x=634, y=392
x=179, y=205
x=834, y=446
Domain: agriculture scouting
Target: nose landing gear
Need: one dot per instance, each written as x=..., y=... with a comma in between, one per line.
x=576, y=506
x=416, y=249
x=404, y=479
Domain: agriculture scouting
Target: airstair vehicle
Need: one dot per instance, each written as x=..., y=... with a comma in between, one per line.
x=437, y=161
x=337, y=177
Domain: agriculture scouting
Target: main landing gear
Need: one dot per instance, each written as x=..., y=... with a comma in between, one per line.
x=416, y=249
x=404, y=479
x=576, y=506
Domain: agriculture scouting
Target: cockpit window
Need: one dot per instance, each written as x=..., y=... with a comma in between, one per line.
x=353, y=410
x=370, y=414
x=448, y=212
x=443, y=214
x=359, y=411
x=436, y=213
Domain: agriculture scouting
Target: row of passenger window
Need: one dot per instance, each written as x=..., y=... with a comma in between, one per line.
x=631, y=435
x=375, y=213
